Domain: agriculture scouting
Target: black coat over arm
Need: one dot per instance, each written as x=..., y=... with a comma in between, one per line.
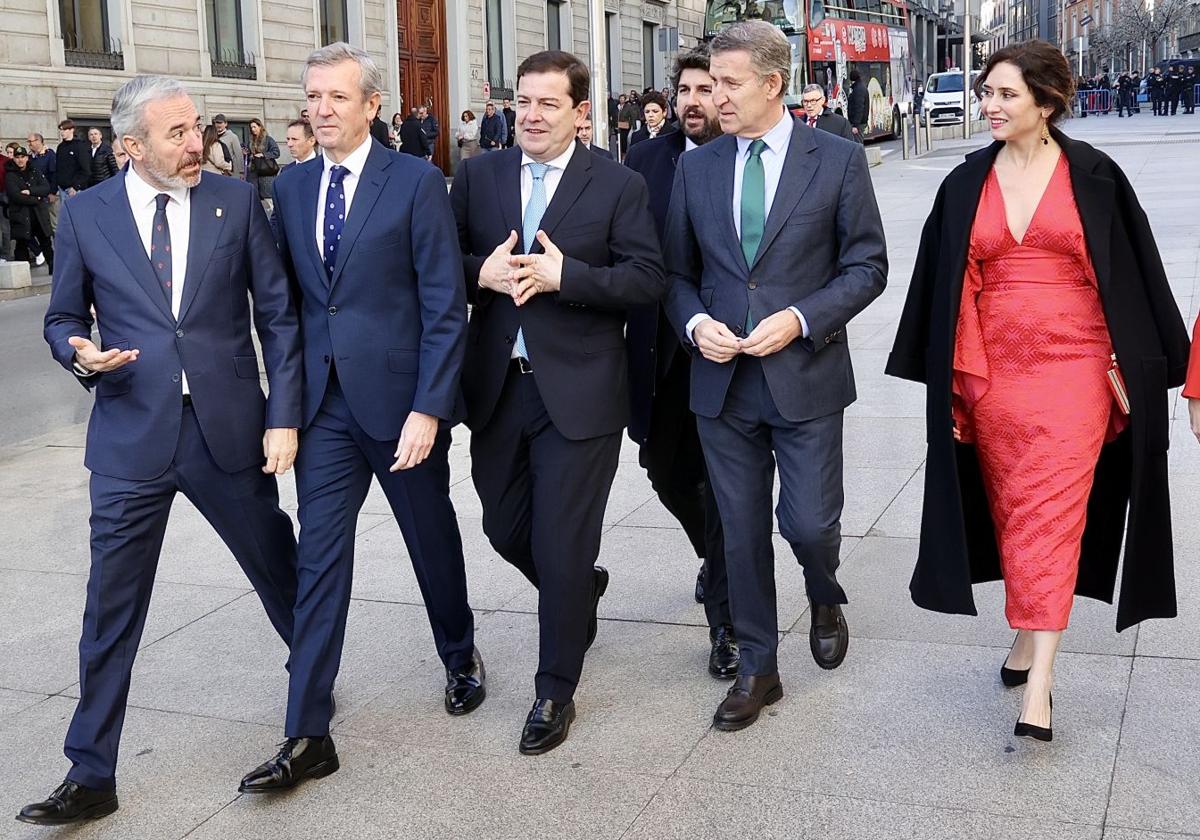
x=958, y=543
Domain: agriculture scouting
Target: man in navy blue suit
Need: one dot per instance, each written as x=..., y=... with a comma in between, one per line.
x=167, y=258
x=557, y=243
x=368, y=239
x=584, y=132
x=774, y=243
x=661, y=421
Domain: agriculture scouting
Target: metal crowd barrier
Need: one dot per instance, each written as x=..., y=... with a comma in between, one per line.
x=1095, y=101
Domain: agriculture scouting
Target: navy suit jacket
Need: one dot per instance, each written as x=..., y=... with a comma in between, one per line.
x=599, y=219
x=652, y=343
x=99, y=261
x=822, y=251
x=394, y=316
x=600, y=150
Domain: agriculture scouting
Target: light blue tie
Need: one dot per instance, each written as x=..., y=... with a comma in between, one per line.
x=534, y=211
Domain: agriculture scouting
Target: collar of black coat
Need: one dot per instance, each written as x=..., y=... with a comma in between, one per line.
x=1080, y=155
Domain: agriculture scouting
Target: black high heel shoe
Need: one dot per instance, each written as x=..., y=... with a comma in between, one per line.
x=1041, y=733
x=1011, y=677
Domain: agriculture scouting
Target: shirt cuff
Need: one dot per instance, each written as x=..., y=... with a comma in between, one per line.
x=693, y=322
x=803, y=323
x=80, y=370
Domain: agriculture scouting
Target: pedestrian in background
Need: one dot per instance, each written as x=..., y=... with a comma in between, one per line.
x=1189, y=89
x=73, y=160
x=264, y=162
x=1155, y=85
x=233, y=145
x=301, y=143
x=510, y=122
x=467, y=135
x=493, y=131
x=215, y=155
x=1047, y=392
x=104, y=163
x=45, y=161
x=858, y=106
x=430, y=128
x=28, y=194
x=394, y=128
x=379, y=130
x=817, y=113
x=654, y=111
x=413, y=140
x=628, y=115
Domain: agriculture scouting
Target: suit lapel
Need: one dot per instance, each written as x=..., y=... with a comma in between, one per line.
x=574, y=179
x=121, y=231
x=508, y=186
x=799, y=167
x=678, y=144
x=310, y=194
x=366, y=193
x=726, y=160
x=203, y=232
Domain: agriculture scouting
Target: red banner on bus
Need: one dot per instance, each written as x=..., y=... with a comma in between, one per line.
x=861, y=41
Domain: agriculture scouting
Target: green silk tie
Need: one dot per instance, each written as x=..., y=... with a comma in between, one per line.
x=754, y=204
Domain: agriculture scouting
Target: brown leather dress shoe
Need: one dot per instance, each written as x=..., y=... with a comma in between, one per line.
x=745, y=701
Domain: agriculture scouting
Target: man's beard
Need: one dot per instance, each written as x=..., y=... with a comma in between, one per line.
x=172, y=180
x=708, y=131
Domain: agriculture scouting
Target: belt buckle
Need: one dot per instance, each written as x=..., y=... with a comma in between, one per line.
x=523, y=365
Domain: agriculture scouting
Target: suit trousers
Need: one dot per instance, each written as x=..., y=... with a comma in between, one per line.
x=543, y=501
x=674, y=463
x=129, y=519
x=742, y=446
x=333, y=474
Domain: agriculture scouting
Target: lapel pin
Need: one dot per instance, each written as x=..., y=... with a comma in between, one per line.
x=219, y=212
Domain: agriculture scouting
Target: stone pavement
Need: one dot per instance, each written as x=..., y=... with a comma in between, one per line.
x=911, y=738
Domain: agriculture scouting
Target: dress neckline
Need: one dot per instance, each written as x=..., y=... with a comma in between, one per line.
x=1037, y=208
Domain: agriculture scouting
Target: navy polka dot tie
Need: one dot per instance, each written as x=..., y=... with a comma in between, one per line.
x=160, y=245
x=335, y=216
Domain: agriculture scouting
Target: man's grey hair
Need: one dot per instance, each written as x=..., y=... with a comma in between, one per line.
x=40, y=138
x=370, y=79
x=130, y=101
x=813, y=88
x=768, y=47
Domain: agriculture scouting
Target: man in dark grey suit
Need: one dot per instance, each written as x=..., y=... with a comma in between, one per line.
x=818, y=115
x=584, y=133
x=774, y=242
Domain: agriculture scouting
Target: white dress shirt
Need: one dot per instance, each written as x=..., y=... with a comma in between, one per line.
x=353, y=164
x=778, y=139
x=179, y=219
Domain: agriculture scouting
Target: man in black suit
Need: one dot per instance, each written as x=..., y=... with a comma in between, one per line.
x=772, y=374
x=818, y=115
x=413, y=139
x=584, y=133
x=858, y=106
x=659, y=369
x=551, y=269
x=510, y=123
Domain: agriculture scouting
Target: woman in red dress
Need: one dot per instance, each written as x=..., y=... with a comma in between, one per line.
x=1028, y=376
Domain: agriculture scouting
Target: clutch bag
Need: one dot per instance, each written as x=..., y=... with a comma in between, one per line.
x=1116, y=382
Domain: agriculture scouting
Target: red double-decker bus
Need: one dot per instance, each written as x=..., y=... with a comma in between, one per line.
x=829, y=39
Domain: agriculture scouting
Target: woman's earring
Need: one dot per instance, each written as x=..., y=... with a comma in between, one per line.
x=1045, y=134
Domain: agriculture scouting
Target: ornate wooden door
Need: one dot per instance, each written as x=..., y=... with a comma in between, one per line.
x=422, y=39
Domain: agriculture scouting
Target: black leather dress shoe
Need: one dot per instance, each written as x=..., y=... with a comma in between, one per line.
x=745, y=701
x=71, y=802
x=829, y=636
x=599, y=584
x=297, y=760
x=546, y=726
x=466, y=687
x=700, y=585
x=725, y=657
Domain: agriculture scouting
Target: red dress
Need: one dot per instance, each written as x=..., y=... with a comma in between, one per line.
x=1031, y=392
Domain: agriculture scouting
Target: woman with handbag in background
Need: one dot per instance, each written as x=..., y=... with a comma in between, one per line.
x=1041, y=322
x=264, y=162
x=467, y=134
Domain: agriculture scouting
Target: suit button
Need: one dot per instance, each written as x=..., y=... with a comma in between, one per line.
x=333, y=310
x=175, y=377
x=179, y=333
x=752, y=285
x=508, y=339
x=325, y=359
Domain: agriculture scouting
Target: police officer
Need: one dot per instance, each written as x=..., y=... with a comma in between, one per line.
x=1136, y=80
x=1190, y=81
x=1154, y=86
x=1174, y=88
x=1124, y=95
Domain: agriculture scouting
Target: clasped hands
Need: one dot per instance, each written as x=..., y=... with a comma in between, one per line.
x=521, y=276
x=718, y=344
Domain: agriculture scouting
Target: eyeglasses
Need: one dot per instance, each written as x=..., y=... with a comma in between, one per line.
x=812, y=101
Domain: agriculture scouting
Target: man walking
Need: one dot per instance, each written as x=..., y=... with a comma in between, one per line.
x=73, y=161
x=367, y=237
x=818, y=115
x=430, y=128
x=858, y=106
x=169, y=259
x=45, y=161
x=773, y=375
x=493, y=130
x=661, y=421
x=556, y=243
x=233, y=146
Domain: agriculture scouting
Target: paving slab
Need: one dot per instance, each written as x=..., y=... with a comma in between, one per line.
x=1156, y=785
x=693, y=809
x=928, y=724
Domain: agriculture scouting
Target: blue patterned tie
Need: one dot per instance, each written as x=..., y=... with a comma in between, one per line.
x=335, y=216
x=160, y=246
x=534, y=211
